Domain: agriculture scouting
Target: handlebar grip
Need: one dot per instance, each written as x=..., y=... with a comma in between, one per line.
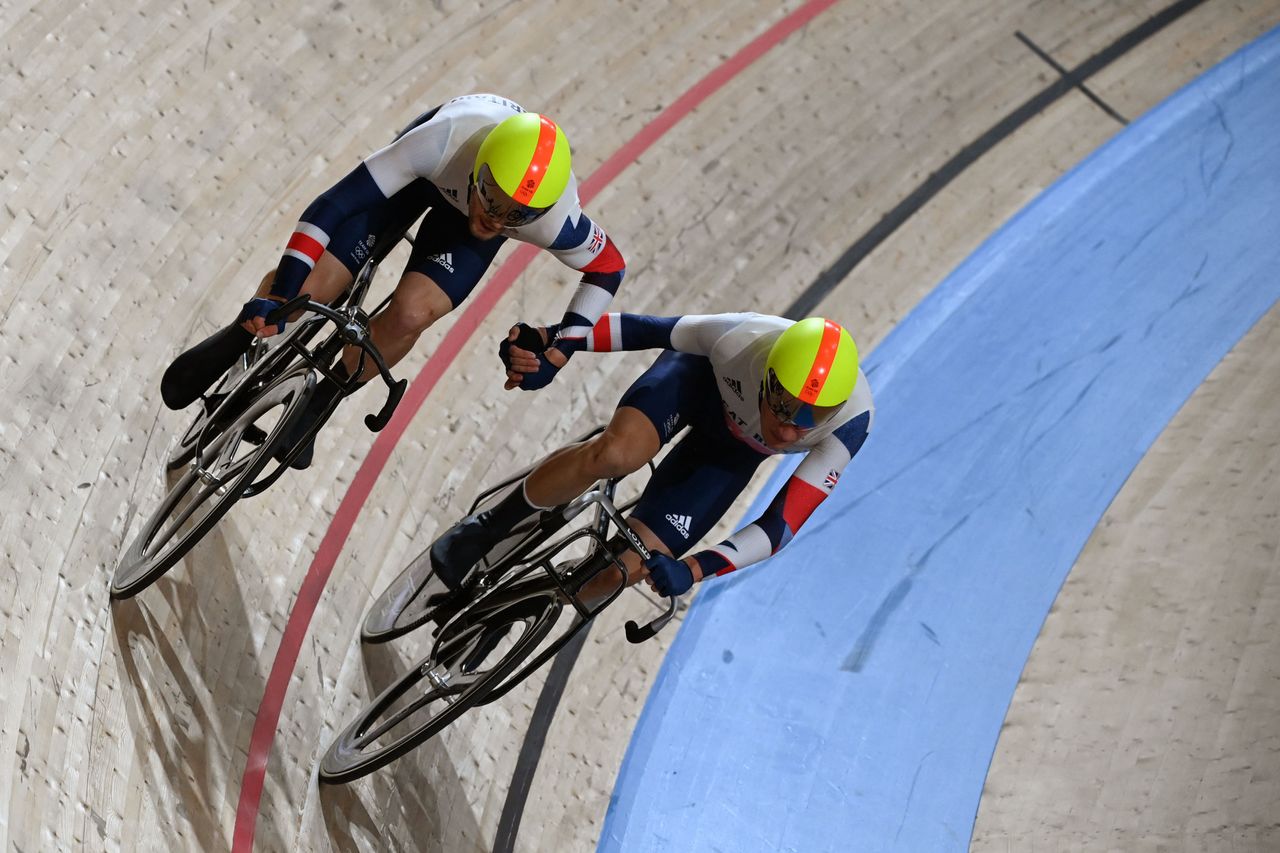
x=281, y=313
x=637, y=633
x=375, y=423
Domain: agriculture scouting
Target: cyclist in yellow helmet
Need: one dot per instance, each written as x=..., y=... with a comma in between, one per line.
x=484, y=170
x=748, y=386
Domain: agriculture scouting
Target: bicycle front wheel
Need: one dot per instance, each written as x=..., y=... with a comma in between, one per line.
x=239, y=387
x=479, y=648
x=210, y=485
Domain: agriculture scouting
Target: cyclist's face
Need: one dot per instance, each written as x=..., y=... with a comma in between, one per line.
x=785, y=419
x=776, y=433
x=490, y=210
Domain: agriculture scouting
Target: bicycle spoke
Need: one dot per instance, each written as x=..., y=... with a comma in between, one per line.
x=162, y=537
x=456, y=685
x=203, y=490
x=210, y=484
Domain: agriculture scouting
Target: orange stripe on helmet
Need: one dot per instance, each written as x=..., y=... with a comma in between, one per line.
x=821, y=369
x=538, y=166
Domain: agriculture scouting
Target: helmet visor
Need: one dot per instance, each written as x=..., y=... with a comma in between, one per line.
x=791, y=410
x=499, y=206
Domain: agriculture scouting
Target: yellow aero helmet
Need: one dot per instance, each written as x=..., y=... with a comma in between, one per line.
x=528, y=157
x=815, y=361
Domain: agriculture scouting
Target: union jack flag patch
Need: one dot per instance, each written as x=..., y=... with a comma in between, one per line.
x=597, y=239
x=831, y=479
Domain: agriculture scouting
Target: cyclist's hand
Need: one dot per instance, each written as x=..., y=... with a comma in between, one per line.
x=667, y=575
x=549, y=364
x=530, y=363
x=521, y=347
x=254, y=313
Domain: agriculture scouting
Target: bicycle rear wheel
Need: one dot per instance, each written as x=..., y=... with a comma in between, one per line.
x=478, y=649
x=212, y=484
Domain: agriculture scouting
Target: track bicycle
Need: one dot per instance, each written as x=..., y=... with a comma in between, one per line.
x=244, y=421
x=407, y=602
x=521, y=607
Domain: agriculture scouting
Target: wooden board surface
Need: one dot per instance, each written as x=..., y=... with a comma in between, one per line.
x=155, y=157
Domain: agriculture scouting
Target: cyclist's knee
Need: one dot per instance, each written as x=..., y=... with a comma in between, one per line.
x=413, y=317
x=416, y=305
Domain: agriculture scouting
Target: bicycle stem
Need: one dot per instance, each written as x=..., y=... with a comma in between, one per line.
x=353, y=326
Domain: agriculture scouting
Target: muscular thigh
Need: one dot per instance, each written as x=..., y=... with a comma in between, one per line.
x=374, y=232
x=678, y=390
x=693, y=486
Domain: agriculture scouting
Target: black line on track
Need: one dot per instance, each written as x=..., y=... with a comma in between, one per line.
x=1079, y=84
x=531, y=750
x=827, y=281
x=558, y=678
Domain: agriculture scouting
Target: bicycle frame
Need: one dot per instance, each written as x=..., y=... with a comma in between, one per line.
x=352, y=328
x=600, y=558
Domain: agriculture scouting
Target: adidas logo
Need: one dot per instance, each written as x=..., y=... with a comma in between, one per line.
x=734, y=385
x=445, y=260
x=680, y=523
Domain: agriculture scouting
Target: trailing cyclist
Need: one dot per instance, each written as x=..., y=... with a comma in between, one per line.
x=484, y=169
x=748, y=386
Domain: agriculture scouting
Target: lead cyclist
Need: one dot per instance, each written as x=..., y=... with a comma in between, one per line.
x=748, y=386
x=484, y=169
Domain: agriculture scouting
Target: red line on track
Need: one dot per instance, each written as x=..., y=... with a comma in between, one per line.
x=268, y=716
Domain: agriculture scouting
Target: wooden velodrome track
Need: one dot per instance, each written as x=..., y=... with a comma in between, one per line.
x=154, y=157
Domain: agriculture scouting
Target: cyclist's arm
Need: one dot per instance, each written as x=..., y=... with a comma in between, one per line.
x=380, y=176
x=583, y=245
x=692, y=333
x=809, y=486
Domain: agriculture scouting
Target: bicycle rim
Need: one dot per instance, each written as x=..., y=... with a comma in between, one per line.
x=400, y=607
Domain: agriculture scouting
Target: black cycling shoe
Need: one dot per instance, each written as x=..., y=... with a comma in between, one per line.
x=319, y=403
x=306, y=420
x=193, y=372
x=462, y=546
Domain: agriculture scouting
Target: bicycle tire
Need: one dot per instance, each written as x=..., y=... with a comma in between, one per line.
x=142, y=564
x=535, y=604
